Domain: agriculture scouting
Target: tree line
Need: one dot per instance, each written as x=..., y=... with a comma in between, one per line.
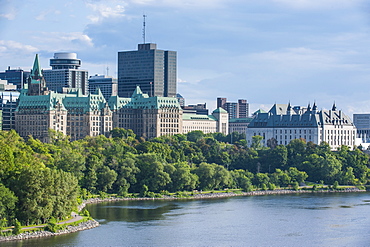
x=39, y=181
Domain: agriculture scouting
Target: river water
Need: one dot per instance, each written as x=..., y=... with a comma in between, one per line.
x=322, y=219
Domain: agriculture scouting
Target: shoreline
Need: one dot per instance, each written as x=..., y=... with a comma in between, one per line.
x=93, y=223
x=41, y=234
x=215, y=195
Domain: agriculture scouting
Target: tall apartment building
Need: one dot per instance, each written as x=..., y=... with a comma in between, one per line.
x=66, y=73
x=107, y=85
x=285, y=123
x=15, y=77
x=238, y=109
x=153, y=70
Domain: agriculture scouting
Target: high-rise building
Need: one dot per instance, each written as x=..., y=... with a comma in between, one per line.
x=15, y=76
x=362, y=123
x=8, y=103
x=106, y=84
x=66, y=73
x=238, y=109
x=243, y=106
x=154, y=70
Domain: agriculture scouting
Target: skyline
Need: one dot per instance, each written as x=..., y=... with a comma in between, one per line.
x=273, y=51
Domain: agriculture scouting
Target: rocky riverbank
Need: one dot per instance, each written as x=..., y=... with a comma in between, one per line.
x=215, y=195
x=40, y=234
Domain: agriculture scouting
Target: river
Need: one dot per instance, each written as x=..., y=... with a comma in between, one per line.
x=327, y=219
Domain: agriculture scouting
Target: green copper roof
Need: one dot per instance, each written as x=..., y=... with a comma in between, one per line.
x=45, y=102
x=71, y=100
x=140, y=100
x=199, y=117
x=220, y=110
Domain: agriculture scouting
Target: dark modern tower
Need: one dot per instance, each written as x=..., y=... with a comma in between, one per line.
x=15, y=76
x=155, y=71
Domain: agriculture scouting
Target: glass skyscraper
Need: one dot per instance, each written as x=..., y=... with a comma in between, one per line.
x=154, y=70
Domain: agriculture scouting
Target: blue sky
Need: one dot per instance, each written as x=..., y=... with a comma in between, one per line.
x=265, y=51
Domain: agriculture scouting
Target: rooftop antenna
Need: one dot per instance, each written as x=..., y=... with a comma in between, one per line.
x=144, y=16
x=107, y=71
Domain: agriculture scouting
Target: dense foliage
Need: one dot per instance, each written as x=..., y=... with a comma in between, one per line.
x=42, y=181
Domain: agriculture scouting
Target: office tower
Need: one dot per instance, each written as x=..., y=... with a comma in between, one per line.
x=238, y=109
x=107, y=85
x=8, y=103
x=180, y=99
x=221, y=102
x=15, y=76
x=243, y=106
x=154, y=70
x=65, y=73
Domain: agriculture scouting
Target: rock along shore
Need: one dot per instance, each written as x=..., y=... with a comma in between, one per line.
x=215, y=195
x=40, y=234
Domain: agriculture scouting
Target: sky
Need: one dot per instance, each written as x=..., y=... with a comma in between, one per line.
x=265, y=51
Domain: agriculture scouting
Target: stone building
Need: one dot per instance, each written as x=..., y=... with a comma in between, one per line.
x=147, y=116
x=285, y=123
x=72, y=113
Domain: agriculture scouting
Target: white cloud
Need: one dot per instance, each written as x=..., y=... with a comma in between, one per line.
x=106, y=10
x=10, y=46
x=316, y=4
x=298, y=57
x=182, y=3
x=9, y=16
x=58, y=41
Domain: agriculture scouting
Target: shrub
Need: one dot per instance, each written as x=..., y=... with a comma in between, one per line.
x=17, y=228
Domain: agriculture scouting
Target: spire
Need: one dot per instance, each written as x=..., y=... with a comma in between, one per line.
x=334, y=107
x=36, y=69
x=137, y=92
x=309, y=107
x=314, y=107
x=289, y=109
x=289, y=106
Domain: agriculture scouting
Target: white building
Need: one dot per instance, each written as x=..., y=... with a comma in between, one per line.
x=217, y=122
x=285, y=123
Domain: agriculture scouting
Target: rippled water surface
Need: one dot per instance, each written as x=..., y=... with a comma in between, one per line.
x=340, y=219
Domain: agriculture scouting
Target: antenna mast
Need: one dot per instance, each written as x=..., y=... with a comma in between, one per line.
x=144, y=16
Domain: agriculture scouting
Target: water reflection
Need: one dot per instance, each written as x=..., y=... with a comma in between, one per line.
x=126, y=211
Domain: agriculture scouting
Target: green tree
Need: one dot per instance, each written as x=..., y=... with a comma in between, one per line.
x=195, y=135
x=257, y=142
x=7, y=203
